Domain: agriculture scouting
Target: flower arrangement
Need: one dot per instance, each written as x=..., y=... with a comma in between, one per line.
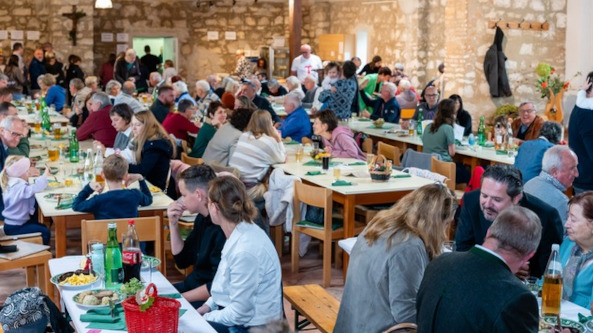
x=319, y=155
x=548, y=83
x=380, y=169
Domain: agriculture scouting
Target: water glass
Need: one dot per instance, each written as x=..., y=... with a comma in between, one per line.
x=299, y=153
x=370, y=159
x=325, y=163
x=532, y=284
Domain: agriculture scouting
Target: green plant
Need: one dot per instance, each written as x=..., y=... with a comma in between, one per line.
x=508, y=110
x=548, y=82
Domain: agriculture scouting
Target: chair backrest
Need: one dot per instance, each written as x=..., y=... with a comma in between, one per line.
x=219, y=168
x=418, y=160
x=305, y=140
x=313, y=196
x=446, y=169
x=390, y=152
x=190, y=160
x=407, y=113
x=367, y=145
x=184, y=147
x=147, y=228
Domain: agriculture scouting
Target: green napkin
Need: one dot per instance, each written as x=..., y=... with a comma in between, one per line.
x=341, y=183
x=65, y=204
x=364, y=119
x=318, y=163
x=583, y=318
x=293, y=142
x=501, y=152
x=313, y=173
x=173, y=295
x=382, y=127
x=403, y=175
x=356, y=163
x=101, y=319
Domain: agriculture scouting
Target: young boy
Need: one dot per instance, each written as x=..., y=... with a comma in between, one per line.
x=118, y=202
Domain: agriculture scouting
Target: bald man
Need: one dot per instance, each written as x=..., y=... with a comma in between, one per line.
x=127, y=68
x=306, y=64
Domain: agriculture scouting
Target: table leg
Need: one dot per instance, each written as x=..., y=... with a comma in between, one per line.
x=31, y=276
x=348, y=227
x=42, y=278
x=60, y=235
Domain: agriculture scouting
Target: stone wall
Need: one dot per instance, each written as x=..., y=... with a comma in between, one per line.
x=46, y=17
x=254, y=24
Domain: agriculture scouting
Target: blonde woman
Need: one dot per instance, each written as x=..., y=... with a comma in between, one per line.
x=54, y=94
x=152, y=148
x=257, y=149
x=389, y=258
x=19, y=197
x=246, y=290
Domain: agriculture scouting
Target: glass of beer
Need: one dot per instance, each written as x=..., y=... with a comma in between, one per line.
x=99, y=178
x=58, y=131
x=337, y=173
x=37, y=125
x=53, y=152
x=299, y=153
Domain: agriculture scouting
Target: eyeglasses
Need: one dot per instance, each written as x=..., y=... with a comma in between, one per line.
x=431, y=95
x=526, y=111
x=14, y=134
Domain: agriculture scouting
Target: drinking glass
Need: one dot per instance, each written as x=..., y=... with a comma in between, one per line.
x=53, y=153
x=449, y=246
x=58, y=131
x=325, y=163
x=532, y=284
x=337, y=173
x=299, y=153
x=370, y=159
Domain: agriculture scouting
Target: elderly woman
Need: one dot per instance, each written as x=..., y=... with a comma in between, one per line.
x=181, y=93
x=223, y=143
x=204, y=96
x=396, y=247
x=153, y=149
x=337, y=140
x=113, y=88
x=257, y=149
x=246, y=290
x=386, y=106
x=530, y=154
x=230, y=91
x=311, y=99
x=215, y=118
x=54, y=94
x=576, y=253
x=292, y=84
x=273, y=88
x=244, y=102
x=407, y=99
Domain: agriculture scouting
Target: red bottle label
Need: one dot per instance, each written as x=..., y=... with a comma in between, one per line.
x=130, y=257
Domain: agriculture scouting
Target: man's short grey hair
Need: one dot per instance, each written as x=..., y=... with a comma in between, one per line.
x=77, y=83
x=3, y=77
x=273, y=83
x=310, y=77
x=293, y=81
x=525, y=103
x=554, y=158
x=8, y=121
x=250, y=84
x=405, y=84
x=128, y=88
x=102, y=98
x=391, y=87
x=156, y=76
x=111, y=84
x=203, y=85
x=399, y=66
x=517, y=229
x=551, y=131
x=293, y=98
x=181, y=86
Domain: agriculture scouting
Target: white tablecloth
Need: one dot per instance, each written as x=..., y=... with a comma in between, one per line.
x=190, y=322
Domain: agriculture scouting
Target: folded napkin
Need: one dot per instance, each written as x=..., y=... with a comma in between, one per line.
x=341, y=183
x=356, y=163
x=293, y=142
x=101, y=319
x=173, y=295
x=384, y=127
x=313, y=173
x=364, y=119
x=65, y=204
x=584, y=318
x=501, y=152
x=402, y=175
x=318, y=163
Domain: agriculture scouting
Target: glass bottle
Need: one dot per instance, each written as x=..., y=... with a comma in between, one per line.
x=98, y=167
x=74, y=157
x=498, y=136
x=481, y=132
x=552, y=288
x=509, y=139
x=114, y=274
x=132, y=255
x=420, y=120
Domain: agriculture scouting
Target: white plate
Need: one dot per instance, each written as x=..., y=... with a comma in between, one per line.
x=88, y=307
x=54, y=280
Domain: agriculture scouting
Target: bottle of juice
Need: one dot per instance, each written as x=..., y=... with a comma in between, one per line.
x=552, y=288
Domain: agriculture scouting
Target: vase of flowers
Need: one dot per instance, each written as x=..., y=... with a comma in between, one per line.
x=551, y=87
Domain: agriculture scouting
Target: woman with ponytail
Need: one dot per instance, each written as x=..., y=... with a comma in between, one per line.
x=19, y=198
x=246, y=291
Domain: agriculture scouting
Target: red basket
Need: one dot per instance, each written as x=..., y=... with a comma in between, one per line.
x=161, y=317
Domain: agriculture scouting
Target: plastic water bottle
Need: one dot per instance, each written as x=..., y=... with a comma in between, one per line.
x=98, y=260
x=471, y=140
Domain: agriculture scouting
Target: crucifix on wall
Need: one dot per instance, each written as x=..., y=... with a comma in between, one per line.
x=74, y=16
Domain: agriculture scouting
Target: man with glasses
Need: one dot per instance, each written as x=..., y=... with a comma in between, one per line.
x=428, y=108
x=528, y=125
x=306, y=64
x=22, y=148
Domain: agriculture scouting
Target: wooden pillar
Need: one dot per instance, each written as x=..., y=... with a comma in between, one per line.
x=295, y=24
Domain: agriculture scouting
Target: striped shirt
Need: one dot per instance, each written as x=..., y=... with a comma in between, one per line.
x=254, y=156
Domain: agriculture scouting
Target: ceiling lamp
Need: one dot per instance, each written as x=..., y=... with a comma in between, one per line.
x=103, y=4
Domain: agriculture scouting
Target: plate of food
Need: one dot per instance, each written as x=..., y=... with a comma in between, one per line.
x=154, y=189
x=36, y=146
x=548, y=322
x=74, y=280
x=148, y=262
x=54, y=184
x=52, y=170
x=54, y=197
x=99, y=298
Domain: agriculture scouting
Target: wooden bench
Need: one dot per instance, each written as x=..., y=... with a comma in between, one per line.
x=37, y=270
x=315, y=304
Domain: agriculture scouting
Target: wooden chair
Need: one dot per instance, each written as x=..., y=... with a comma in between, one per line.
x=390, y=152
x=319, y=307
x=148, y=229
x=318, y=197
x=367, y=146
x=306, y=141
x=185, y=158
x=184, y=148
x=446, y=169
x=407, y=113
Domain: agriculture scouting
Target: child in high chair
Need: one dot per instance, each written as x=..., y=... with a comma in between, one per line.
x=118, y=202
x=19, y=198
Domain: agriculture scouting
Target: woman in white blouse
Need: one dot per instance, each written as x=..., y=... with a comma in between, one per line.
x=246, y=290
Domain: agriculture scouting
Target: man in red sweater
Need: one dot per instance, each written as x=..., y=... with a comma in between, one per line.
x=98, y=124
x=179, y=123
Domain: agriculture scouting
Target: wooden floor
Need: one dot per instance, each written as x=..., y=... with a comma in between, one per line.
x=310, y=272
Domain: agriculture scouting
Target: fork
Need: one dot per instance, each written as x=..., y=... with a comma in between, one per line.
x=112, y=308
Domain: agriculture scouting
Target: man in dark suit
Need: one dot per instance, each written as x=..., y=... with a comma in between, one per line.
x=476, y=291
x=502, y=187
x=248, y=89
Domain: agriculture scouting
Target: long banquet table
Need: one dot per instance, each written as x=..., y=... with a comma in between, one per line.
x=190, y=322
x=363, y=192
